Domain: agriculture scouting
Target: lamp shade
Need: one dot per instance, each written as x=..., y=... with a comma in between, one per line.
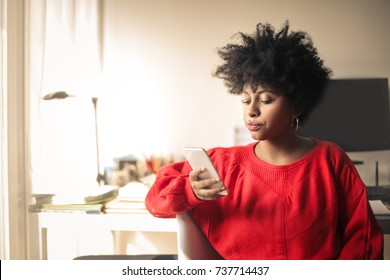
x=57, y=95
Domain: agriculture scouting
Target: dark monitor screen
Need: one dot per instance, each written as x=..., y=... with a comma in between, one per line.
x=354, y=114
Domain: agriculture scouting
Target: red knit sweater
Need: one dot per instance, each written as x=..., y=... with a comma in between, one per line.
x=313, y=208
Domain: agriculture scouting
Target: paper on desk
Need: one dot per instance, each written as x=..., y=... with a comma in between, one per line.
x=133, y=191
x=379, y=208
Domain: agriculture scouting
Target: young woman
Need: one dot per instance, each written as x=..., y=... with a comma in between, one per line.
x=289, y=197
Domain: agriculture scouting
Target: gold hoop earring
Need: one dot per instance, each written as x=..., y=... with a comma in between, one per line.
x=295, y=123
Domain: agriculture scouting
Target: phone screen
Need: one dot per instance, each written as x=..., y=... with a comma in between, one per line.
x=197, y=157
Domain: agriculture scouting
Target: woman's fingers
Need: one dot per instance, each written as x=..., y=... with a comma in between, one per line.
x=206, y=189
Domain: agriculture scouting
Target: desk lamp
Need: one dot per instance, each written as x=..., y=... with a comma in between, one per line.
x=63, y=95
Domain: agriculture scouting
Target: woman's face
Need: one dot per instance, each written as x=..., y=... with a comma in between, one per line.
x=267, y=114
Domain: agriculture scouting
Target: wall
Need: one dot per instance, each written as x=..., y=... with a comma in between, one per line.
x=158, y=94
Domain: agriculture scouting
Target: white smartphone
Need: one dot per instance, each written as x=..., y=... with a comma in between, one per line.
x=197, y=158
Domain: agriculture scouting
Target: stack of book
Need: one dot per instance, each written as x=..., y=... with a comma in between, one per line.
x=73, y=207
x=131, y=199
x=91, y=204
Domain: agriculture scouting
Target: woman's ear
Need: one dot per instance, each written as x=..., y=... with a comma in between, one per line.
x=296, y=111
x=295, y=118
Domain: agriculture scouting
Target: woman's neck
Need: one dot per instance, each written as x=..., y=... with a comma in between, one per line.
x=284, y=150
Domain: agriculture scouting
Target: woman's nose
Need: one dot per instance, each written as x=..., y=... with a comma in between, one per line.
x=253, y=111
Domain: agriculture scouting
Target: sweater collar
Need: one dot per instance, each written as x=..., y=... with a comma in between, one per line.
x=256, y=161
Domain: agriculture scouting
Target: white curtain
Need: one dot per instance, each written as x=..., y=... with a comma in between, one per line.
x=63, y=54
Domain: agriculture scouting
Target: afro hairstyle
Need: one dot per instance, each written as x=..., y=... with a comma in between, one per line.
x=285, y=61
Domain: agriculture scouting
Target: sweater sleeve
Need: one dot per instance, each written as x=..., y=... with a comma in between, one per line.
x=172, y=192
x=362, y=237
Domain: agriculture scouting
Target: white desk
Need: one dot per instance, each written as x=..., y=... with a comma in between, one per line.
x=92, y=225
x=382, y=215
x=146, y=229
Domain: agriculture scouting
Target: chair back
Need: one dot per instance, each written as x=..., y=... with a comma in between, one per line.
x=192, y=243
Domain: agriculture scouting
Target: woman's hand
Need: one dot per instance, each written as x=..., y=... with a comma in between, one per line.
x=207, y=189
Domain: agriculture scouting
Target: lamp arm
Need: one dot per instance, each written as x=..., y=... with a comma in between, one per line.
x=99, y=177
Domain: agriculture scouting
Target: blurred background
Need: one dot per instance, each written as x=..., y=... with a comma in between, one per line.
x=149, y=63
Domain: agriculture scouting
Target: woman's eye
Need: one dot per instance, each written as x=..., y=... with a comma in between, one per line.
x=266, y=101
x=248, y=101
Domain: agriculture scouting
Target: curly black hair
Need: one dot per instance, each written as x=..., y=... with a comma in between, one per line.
x=286, y=61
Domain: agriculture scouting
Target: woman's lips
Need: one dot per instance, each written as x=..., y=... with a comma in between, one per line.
x=253, y=126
